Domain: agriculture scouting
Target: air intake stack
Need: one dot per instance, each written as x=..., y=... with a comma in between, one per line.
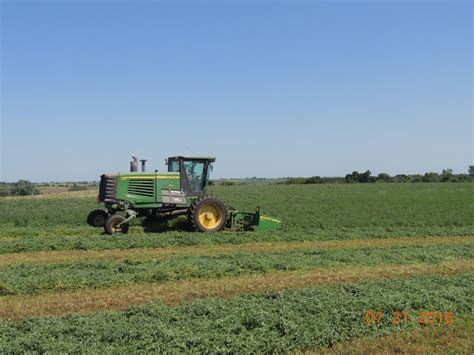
x=134, y=164
x=143, y=164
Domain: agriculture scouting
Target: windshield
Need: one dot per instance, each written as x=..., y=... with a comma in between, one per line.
x=194, y=172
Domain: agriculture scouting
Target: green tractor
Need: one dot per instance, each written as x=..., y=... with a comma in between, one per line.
x=182, y=190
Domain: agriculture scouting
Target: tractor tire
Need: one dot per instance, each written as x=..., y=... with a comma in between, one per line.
x=112, y=222
x=208, y=214
x=97, y=218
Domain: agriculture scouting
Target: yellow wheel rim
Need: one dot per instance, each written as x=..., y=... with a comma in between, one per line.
x=210, y=216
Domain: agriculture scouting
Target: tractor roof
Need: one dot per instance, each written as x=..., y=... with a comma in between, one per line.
x=194, y=157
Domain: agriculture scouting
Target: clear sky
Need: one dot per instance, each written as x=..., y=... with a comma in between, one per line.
x=271, y=89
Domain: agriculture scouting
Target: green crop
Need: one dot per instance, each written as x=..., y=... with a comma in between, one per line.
x=45, y=212
x=273, y=322
x=86, y=238
x=309, y=212
x=299, y=206
x=335, y=206
x=91, y=239
x=30, y=279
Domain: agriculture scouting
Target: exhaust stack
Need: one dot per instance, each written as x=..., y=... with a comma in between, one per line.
x=134, y=164
x=143, y=164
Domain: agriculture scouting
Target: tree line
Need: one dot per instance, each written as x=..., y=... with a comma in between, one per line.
x=19, y=188
x=25, y=187
x=446, y=175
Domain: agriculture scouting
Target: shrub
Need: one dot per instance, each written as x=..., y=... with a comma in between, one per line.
x=23, y=188
x=227, y=183
x=76, y=187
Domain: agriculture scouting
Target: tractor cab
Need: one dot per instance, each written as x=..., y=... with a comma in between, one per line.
x=193, y=171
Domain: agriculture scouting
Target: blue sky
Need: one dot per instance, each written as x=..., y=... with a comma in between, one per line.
x=271, y=89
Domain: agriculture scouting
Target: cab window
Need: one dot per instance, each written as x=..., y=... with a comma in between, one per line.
x=173, y=166
x=194, y=172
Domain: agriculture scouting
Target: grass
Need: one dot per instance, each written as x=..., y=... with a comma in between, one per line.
x=31, y=279
x=335, y=206
x=87, y=238
x=176, y=292
x=343, y=248
x=271, y=322
x=423, y=340
x=304, y=207
x=71, y=256
x=309, y=212
x=39, y=212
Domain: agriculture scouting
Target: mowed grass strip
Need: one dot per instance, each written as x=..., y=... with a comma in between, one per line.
x=272, y=322
x=62, y=238
x=32, y=279
x=71, y=256
x=456, y=338
x=176, y=292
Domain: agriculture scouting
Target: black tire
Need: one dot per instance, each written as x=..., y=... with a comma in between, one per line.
x=208, y=206
x=112, y=222
x=97, y=218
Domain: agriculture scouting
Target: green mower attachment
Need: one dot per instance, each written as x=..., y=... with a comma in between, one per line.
x=239, y=220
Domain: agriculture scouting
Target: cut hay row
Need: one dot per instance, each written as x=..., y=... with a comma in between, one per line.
x=22, y=279
x=423, y=340
x=176, y=292
x=71, y=256
x=270, y=322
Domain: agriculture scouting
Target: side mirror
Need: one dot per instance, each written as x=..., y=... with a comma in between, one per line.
x=212, y=167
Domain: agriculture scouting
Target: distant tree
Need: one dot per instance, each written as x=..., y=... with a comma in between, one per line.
x=471, y=170
x=314, y=180
x=446, y=175
x=383, y=177
x=399, y=178
x=416, y=178
x=23, y=188
x=360, y=177
x=294, y=181
x=431, y=177
x=355, y=175
x=365, y=177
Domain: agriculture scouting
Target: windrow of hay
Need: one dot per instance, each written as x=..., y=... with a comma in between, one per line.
x=422, y=340
x=71, y=256
x=175, y=292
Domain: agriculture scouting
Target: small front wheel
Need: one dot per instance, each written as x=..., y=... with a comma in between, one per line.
x=97, y=218
x=112, y=225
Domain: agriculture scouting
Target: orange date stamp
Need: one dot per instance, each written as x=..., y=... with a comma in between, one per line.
x=403, y=317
